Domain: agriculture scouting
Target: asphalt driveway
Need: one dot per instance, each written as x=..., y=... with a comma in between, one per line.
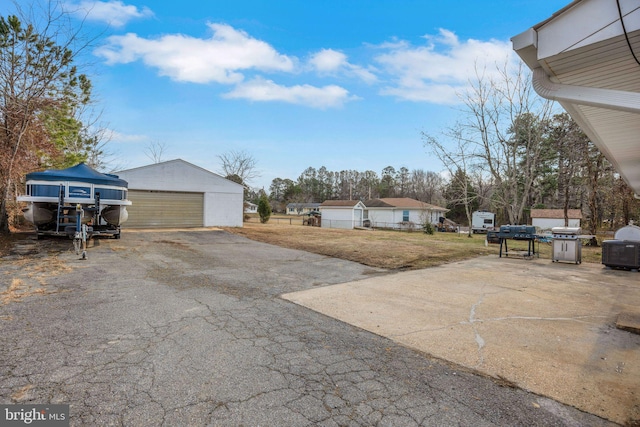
x=188, y=328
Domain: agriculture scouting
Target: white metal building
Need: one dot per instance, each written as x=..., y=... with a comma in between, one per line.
x=177, y=193
x=342, y=214
x=546, y=219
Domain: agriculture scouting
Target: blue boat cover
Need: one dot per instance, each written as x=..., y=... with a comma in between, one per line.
x=79, y=172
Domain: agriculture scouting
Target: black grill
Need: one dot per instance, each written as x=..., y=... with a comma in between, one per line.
x=517, y=232
x=514, y=232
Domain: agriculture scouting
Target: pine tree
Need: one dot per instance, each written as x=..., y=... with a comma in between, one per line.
x=264, y=210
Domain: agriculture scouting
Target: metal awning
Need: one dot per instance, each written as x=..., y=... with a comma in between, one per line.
x=582, y=58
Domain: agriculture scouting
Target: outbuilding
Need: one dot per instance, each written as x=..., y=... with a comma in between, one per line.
x=177, y=193
x=345, y=214
x=546, y=219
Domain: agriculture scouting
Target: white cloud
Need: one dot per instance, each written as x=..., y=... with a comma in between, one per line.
x=189, y=59
x=260, y=89
x=329, y=61
x=440, y=70
x=114, y=13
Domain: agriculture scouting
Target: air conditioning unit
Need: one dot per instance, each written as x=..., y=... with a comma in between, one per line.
x=621, y=254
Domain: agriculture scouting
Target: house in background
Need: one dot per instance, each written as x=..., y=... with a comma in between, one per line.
x=250, y=207
x=401, y=213
x=301, y=208
x=546, y=219
x=177, y=193
x=345, y=214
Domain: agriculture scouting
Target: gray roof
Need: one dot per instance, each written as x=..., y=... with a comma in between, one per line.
x=302, y=205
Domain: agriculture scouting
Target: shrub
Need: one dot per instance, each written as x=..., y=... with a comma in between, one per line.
x=428, y=228
x=264, y=210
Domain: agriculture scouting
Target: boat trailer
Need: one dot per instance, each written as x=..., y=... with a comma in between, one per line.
x=81, y=234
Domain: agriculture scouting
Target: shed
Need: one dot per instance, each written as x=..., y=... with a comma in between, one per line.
x=546, y=219
x=401, y=212
x=177, y=193
x=345, y=214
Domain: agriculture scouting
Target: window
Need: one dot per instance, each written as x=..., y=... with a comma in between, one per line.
x=108, y=193
x=42, y=190
x=405, y=216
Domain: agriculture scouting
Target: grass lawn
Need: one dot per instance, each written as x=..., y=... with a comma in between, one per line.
x=387, y=249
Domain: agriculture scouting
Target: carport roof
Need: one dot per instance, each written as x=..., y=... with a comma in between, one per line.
x=585, y=57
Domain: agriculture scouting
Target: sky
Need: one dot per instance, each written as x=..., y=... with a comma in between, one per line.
x=345, y=84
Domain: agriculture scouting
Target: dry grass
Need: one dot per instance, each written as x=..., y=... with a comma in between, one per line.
x=387, y=249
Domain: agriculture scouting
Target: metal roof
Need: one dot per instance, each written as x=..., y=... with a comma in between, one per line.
x=581, y=58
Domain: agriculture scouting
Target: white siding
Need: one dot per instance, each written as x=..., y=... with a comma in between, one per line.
x=391, y=218
x=549, y=223
x=378, y=217
x=345, y=217
x=223, y=209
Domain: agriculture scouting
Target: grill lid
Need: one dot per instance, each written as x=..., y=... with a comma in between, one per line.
x=566, y=230
x=630, y=232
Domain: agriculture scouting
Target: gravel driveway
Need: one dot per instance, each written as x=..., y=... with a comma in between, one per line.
x=187, y=328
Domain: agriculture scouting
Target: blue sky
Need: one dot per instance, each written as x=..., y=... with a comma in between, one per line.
x=346, y=84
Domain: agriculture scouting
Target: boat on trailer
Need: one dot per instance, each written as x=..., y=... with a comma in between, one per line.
x=58, y=200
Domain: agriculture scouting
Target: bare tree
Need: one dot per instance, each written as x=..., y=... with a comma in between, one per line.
x=239, y=165
x=506, y=126
x=155, y=150
x=459, y=163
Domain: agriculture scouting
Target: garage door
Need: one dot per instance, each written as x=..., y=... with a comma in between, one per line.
x=164, y=209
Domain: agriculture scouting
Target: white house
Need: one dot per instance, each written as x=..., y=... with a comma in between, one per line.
x=585, y=57
x=342, y=213
x=250, y=207
x=401, y=213
x=177, y=193
x=546, y=219
x=302, y=208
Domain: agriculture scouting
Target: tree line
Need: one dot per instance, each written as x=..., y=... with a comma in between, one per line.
x=318, y=185
x=511, y=151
